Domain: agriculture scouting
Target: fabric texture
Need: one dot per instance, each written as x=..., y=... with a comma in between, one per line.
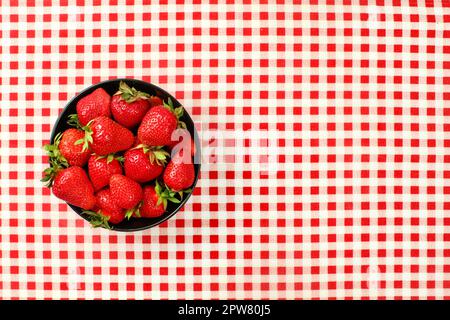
x=350, y=202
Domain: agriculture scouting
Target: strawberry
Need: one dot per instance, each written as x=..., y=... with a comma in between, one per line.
x=179, y=174
x=126, y=192
x=74, y=154
x=101, y=168
x=155, y=200
x=93, y=105
x=150, y=207
x=105, y=136
x=57, y=160
x=158, y=124
x=143, y=164
x=73, y=186
x=108, y=206
x=65, y=152
x=155, y=101
x=129, y=106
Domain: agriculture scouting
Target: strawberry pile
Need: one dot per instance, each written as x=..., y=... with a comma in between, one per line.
x=115, y=163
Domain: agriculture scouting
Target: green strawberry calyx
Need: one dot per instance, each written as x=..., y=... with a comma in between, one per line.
x=110, y=157
x=178, y=112
x=98, y=219
x=57, y=161
x=87, y=139
x=165, y=194
x=50, y=173
x=155, y=154
x=130, y=94
x=180, y=192
x=73, y=121
x=136, y=211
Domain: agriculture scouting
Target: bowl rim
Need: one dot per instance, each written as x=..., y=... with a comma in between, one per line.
x=196, y=140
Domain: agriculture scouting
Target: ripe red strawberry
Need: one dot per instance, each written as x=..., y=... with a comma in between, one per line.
x=105, y=136
x=126, y=192
x=108, y=206
x=101, y=169
x=155, y=200
x=73, y=186
x=73, y=153
x=65, y=152
x=142, y=164
x=179, y=174
x=155, y=101
x=150, y=207
x=129, y=106
x=93, y=105
x=159, y=123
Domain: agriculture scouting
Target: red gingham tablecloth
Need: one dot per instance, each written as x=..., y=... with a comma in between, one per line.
x=351, y=201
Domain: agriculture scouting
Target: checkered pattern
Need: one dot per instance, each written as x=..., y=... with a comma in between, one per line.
x=356, y=94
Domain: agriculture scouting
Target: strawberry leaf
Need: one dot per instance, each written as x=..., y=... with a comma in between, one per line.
x=129, y=213
x=179, y=112
x=169, y=102
x=97, y=219
x=50, y=173
x=157, y=188
x=87, y=139
x=169, y=105
x=130, y=94
x=121, y=159
x=172, y=193
x=156, y=154
x=110, y=157
x=182, y=124
x=165, y=195
x=73, y=121
x=56, y=160
x=159, y=155
x=136, y=211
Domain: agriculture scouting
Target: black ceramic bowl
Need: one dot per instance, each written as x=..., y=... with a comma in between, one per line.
x=111, y=86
